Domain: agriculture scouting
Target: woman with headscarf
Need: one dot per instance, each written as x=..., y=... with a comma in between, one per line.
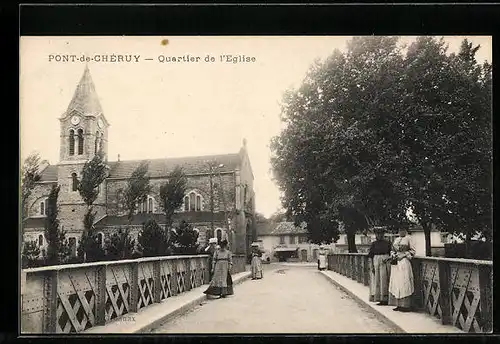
x=378, y=256
x=221, y=284
x=322, y=259
x=401, y=285
x=256, y=266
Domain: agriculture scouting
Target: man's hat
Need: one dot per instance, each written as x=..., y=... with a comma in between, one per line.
x=212, y=241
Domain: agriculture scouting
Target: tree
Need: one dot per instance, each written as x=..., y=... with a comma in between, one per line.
x=58, y=249
x=94, y=173
x=30, y=175
x=172, y=196
x=185, y=239
x=137, y=189
x=152, y=239
x=30, y=254
x=120, y=245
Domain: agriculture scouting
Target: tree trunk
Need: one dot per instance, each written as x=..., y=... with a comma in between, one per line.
x=351, y=241
x=427, y=235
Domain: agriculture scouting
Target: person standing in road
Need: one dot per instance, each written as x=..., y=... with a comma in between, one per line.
x=210, y=250
x=378, y=256
x=256, y=266
x=401, y=282
x=221, y=284
x=322, y=259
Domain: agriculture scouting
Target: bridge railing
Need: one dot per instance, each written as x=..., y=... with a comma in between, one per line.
x=75, y=297
x=457, y=291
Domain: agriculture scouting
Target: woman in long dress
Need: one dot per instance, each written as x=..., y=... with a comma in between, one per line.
x=221, y=284
x=322, y=259
x=256, y=263
x=401, y=285
x=378, y=255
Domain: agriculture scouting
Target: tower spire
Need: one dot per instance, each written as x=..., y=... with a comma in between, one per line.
x=85, y=99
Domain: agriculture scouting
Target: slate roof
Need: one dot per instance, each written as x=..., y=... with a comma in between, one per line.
x=34, y=222
x=192, y=217
x=49, y=174
x=281, y=228
x=85, y=99
x=161, y=167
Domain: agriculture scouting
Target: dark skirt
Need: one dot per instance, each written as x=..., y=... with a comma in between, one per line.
x=222, y=291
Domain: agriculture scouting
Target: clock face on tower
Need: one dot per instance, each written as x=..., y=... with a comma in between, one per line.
x=100, y=123
x=75, y=120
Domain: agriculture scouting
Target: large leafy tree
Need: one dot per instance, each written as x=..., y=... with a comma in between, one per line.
x=58, y=248
x=29, y=176
x=30, y=255
x=373, y=132
x=172, y=195
x=120, y=245
x=137, y=189
x=94, y=173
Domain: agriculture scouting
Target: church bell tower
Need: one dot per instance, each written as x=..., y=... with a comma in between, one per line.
x=84, y=131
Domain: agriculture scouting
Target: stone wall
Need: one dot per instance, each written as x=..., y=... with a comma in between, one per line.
x=39, y=192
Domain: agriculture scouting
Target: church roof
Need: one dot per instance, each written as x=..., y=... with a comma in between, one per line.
x=192, y=217
x=161, y=167
x=49, y=174
x=85, y=100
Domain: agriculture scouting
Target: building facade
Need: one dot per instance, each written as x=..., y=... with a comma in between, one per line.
x=284, y=238
x=84, y=131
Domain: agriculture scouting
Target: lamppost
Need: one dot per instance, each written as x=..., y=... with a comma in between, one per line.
x=212, y=166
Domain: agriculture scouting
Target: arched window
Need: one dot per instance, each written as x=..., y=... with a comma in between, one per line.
x=71, y=142
x=150, y=205
x=119, y=200
x=42, y=208
x=40, y=240
x=193, y=201
x=74, y=182
x=100, y=238
x=198, y=203
x=218, y=233
x=80, y=141
x=97, y=141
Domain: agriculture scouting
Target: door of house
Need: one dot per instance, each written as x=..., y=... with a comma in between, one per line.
x=303, y=255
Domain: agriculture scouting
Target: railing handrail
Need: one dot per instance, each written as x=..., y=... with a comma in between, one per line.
x=111, y=262
x=437, y=259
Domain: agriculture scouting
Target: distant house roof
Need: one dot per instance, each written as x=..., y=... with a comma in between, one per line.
x=191, y=217
x=161, y=167
x=281, y=228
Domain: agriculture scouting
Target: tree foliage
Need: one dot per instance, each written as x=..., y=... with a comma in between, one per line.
x=152, y=240
x=137, y=188
x=58, y=248
x=185, y=239
x=374, y=131
x=120, y=245
x=30, y=254
x=29, y=176
x=172, y=195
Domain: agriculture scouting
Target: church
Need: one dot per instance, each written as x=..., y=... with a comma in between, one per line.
x=219, y=201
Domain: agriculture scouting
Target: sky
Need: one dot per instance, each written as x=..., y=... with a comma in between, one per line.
x=171, y=109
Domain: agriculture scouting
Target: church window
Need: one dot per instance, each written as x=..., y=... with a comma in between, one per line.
x=192, y=202
x=97, y=142
x=71, y=142
x=42, y=208
x=100, y=239
x=150, y=205
x=218, y=232
x=74, y=182
x=186, y=203
x=198, y=203
x=80, y=141
x=40, y=240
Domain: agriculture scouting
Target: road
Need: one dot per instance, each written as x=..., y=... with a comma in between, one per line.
x=291, y=298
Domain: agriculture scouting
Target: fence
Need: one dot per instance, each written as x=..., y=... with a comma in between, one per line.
x=457, y=291
x=75, y=297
